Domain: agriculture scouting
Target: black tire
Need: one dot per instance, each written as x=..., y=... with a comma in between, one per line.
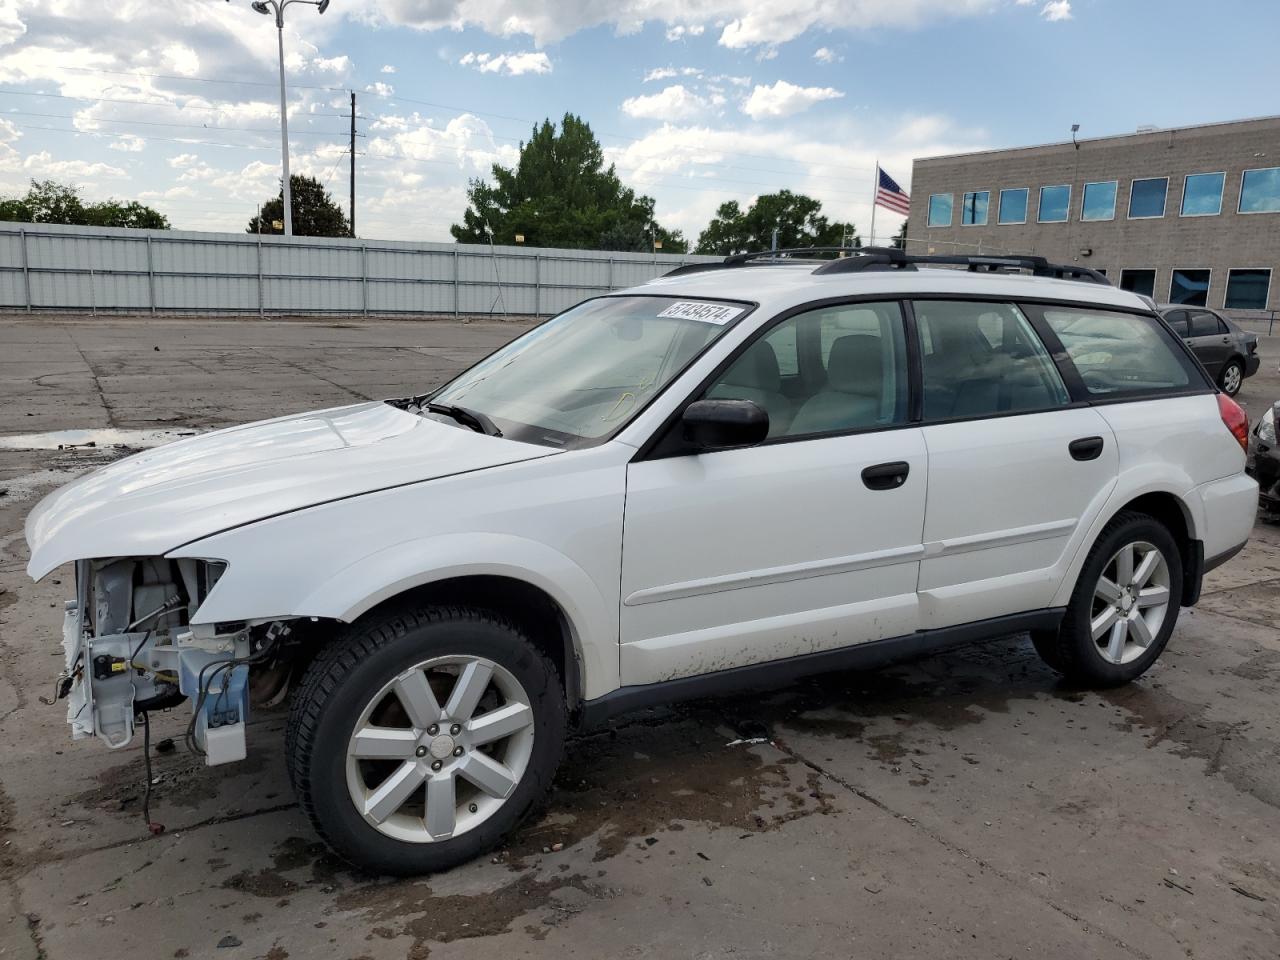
x=345, y=676
x=1071, y=650
x=1231, y=365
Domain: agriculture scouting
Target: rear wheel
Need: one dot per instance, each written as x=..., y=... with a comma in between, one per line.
x=422, y=739
x=1124, y=606
x=1231, y=378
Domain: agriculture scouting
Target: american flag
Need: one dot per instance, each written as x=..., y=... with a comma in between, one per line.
x=891, y=196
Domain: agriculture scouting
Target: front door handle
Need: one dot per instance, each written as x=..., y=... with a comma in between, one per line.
x=886, y=476
x=1086, y=448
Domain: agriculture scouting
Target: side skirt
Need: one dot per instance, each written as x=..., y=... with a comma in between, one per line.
x=777, y=673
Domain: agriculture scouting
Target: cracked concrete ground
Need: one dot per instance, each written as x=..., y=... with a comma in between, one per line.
x=969, y=805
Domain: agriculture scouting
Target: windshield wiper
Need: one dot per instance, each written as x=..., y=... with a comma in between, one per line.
x=474, y=419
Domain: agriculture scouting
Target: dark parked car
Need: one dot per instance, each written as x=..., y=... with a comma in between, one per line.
x=1227, y=352
x=1264, y=459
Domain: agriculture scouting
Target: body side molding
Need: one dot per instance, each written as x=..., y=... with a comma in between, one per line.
x=775, y=673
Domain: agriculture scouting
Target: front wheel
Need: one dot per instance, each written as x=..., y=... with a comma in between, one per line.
x=1231, y=378
x=1124, y=606
x=423, y=738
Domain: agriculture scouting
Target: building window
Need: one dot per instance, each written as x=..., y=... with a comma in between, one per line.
x=1013, y=205
x=974, y=211
x=1202, y=194
x=1247, y=289
x=1260, y=191
x=1146, y=198
x=1139, y=281
x=1190, y=287
x=1054, y=203
x=940, y=210
x=1099, y=201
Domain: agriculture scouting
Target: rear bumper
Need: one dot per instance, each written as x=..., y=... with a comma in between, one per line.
x=1230, y=508
x=1251, y=364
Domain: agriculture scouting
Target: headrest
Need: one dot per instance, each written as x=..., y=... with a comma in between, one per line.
x=757, y=368
x=855, y=365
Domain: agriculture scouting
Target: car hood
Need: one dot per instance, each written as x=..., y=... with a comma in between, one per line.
x=157, y=500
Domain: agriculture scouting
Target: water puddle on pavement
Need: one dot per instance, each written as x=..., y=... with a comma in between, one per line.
x=100, y=437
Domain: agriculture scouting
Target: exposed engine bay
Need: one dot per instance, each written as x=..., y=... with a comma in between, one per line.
x=130, y=648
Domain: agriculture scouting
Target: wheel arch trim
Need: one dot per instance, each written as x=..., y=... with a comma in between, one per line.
x=395, y=570
x=1150, y=480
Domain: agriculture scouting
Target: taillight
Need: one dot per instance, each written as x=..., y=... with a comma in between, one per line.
x=1236, y=420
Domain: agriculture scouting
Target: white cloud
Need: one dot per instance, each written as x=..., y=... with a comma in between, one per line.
x=1057, y=10
x=666, y=73
x=675, y=102
x=512, y=64
x=826, y=55
x=180, y=59
x=387, y=68
x=465, y=142
x=44, y=165
x=127, y=144
x=783, y=99
x=380, y=89
x=680, y=31
x=742, y=23
x=692, y=169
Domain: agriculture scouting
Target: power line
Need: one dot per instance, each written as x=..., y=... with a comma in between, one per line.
x=150, y=103
x=162, y=123
x=433, y=104
x=184, y=141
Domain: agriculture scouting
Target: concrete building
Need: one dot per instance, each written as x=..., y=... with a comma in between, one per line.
x=1185, y=215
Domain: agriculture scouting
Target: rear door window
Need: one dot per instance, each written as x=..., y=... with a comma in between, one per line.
x=983, y=359
x=1204, y=324
x=1122, y=353
x=1178, y=320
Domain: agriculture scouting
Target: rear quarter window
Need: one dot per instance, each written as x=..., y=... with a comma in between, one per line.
x=1119, y=354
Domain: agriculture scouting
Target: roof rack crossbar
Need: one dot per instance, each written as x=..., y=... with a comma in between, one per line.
x=872, y=258
x=857, y=259
x=788, y=255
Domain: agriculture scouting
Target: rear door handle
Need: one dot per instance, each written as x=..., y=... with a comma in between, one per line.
x=886, y=476
x=1086, y=448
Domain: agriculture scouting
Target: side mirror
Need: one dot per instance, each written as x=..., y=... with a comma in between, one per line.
x=715, y=424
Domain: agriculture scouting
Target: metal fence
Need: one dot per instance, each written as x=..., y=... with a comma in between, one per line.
x=48, y=267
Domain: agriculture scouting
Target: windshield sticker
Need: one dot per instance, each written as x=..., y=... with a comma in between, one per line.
x=717, y=313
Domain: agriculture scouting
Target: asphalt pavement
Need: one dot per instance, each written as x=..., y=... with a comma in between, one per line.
x=970, y=805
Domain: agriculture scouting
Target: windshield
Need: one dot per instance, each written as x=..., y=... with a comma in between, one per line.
x=582, y=375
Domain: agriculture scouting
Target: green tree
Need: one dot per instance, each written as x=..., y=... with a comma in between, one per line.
x=900, y=238
x=112, y=213
x=561, y=194
x=314, y=212
x=797, y=218
x=48, y=201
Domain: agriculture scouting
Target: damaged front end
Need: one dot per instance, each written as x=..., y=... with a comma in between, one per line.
x=130, y=647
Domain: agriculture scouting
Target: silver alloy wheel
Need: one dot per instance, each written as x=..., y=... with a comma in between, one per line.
x=1130, y=602
x=1232, y=379
x=439, y=749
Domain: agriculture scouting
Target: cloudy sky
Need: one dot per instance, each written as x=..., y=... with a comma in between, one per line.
x=697, y=102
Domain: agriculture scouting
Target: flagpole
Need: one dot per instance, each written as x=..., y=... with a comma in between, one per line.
x=875, y=190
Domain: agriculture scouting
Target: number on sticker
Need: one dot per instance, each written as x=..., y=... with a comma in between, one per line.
x=717, y=313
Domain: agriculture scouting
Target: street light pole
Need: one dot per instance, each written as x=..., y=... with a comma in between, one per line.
x=277, y=7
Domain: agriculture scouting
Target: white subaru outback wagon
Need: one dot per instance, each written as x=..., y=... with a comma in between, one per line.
x=732, y=476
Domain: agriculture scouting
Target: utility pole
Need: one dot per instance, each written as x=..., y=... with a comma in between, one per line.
x=267, y=8
x=352, y=218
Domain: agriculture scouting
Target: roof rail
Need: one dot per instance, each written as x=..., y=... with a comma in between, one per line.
x=892, y=258
x=789, y=255
x=857, y=259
